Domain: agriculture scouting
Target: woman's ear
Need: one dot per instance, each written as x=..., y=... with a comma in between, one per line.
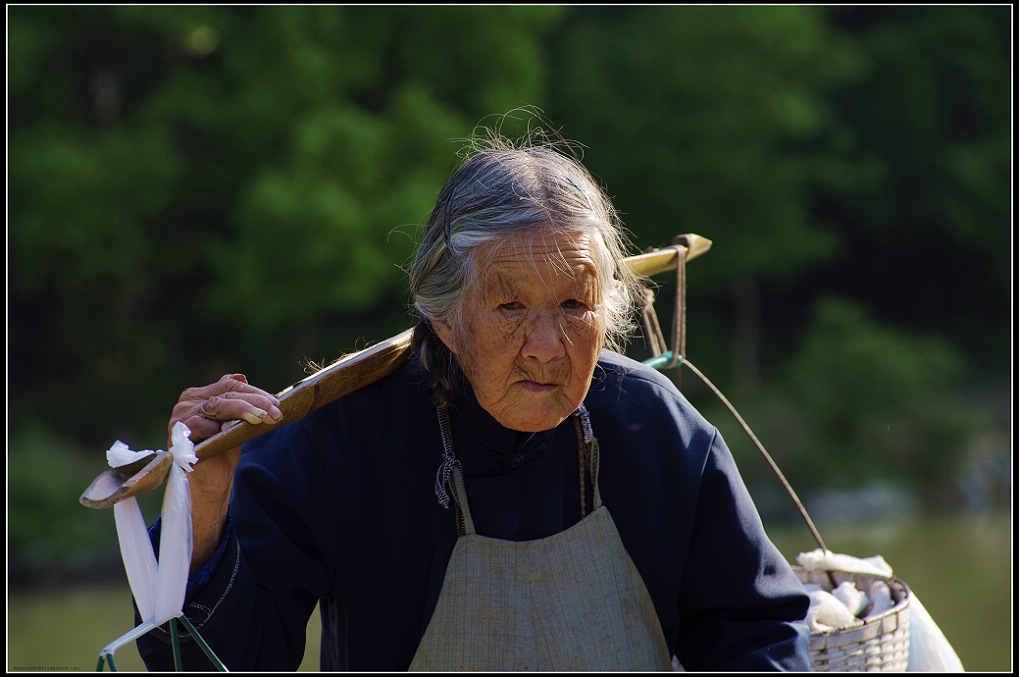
x=445, y=334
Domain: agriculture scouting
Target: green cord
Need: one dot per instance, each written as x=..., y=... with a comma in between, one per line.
x=661, y=360
x=178, y=663
x=109, y=659
x=201, y=642
x=107, y=656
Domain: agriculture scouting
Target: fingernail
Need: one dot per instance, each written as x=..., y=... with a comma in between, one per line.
x=254, y=415
x=276, y=415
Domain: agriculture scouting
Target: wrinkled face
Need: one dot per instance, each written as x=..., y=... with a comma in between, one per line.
x=534, y=328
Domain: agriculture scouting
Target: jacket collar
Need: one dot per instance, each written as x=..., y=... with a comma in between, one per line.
x=483, y=445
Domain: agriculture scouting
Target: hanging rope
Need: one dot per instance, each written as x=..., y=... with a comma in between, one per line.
x=667, y=358
x=764, y=452
x=672, y=359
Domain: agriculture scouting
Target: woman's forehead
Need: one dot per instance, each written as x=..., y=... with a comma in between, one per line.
x=546, y=254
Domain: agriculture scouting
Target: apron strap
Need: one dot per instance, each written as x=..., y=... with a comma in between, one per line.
x=588, y=456
x=449, y=460
x=450, y=476
x=456, y=487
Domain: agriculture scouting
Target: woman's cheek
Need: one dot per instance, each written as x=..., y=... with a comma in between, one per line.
x=585, y=326
x=492, y=332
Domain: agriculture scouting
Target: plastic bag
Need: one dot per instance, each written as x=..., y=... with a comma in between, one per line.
x=929, y=650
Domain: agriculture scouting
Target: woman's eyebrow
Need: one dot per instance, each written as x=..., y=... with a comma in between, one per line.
x=583, y=277
x=496, y=285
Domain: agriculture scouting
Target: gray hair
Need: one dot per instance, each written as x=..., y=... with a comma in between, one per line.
x=501, y=190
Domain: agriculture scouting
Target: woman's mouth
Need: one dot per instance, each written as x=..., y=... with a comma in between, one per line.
x=536, y=387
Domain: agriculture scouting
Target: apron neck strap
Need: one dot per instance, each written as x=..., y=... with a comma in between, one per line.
x=587, y=453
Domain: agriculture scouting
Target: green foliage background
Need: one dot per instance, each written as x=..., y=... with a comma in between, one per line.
x=195, y=190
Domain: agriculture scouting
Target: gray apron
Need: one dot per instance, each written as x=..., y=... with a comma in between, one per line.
x=571, y=601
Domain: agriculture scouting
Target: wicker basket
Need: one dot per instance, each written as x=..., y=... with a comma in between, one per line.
x=881, y=643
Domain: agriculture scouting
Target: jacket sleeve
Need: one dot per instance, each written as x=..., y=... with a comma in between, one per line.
x=254, y=607
x=741, y=607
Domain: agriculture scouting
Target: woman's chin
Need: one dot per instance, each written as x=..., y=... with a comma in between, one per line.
x=535, y=417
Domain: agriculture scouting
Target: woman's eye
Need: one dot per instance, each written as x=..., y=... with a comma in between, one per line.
x=572, y=304
x=512, y=305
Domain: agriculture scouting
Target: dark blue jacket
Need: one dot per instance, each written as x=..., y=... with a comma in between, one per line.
x=340, y=509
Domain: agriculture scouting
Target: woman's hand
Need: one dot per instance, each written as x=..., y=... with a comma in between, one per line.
x=205, y=411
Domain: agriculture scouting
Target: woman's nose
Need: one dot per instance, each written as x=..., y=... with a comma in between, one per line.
x=545, y=340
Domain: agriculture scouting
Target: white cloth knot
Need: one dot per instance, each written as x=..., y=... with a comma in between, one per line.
x=158, y=587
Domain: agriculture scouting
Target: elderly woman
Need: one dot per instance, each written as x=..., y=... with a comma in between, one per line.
x=517, y=496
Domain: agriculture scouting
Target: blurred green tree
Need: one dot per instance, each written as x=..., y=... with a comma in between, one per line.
x=876, y=403
x=928, y=237
x=197, y=190
x=714, y=120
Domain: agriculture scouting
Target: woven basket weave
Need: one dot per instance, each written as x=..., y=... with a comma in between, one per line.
x=881, y=643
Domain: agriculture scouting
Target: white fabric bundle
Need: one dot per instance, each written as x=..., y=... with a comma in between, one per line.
x=158, y=588
x=854, y=600
x=827, y=612
x=832, y=561
x=881, y=595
